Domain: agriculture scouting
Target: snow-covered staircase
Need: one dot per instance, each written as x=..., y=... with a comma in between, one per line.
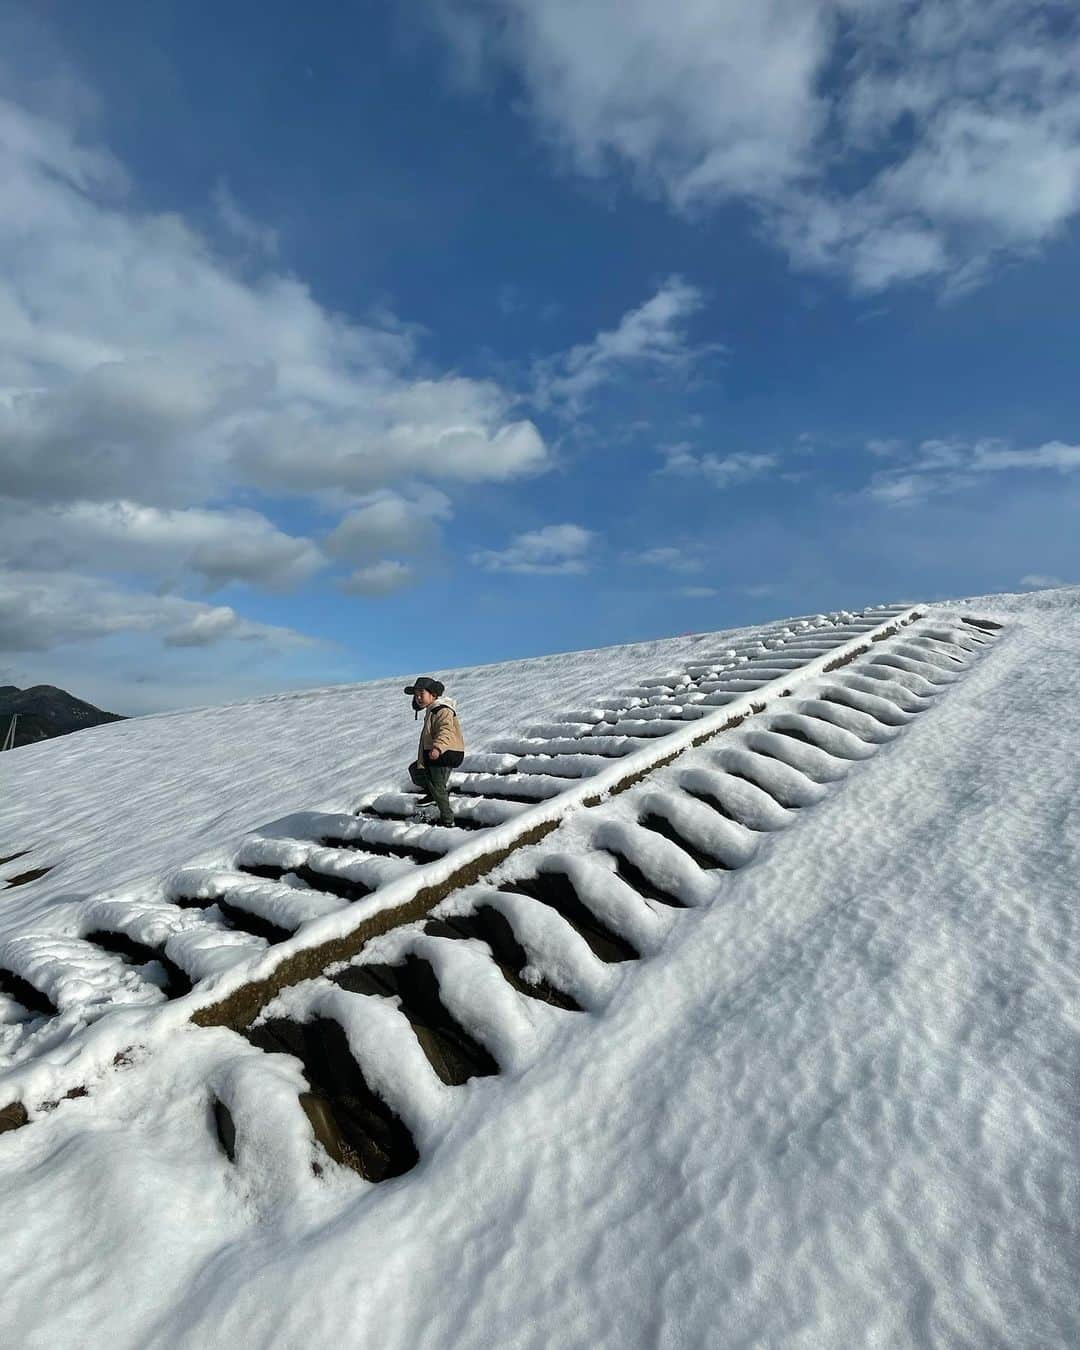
x=464, y=957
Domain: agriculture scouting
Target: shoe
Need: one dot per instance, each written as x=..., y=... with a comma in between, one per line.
x=426, y=800
x=448, y=824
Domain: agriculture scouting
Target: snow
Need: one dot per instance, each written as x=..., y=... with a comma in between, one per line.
x=832, y=1104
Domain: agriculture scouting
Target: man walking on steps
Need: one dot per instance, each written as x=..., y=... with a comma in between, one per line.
x=442, y=746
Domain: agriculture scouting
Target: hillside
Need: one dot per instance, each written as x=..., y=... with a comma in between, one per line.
x=740, y=1009
x=44, y=711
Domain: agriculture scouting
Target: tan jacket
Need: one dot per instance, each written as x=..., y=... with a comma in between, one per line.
x=441, y=731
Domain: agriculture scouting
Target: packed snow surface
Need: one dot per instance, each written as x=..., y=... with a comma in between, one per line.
x=834, y=1103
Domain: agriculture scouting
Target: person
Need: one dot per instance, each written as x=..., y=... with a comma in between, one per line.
x=442, y=745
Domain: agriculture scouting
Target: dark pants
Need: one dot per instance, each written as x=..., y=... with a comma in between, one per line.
x=434, y=778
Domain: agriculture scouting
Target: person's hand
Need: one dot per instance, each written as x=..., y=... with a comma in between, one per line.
x=434, y=753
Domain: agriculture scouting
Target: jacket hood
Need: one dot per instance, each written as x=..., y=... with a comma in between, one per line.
x=445, y=701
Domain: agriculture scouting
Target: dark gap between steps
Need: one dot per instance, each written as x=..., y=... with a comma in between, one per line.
x=933, y=647
x=466, y=790
x=777, y=758
x=779, y=795
x=894, y=661
x=486, y=924
x=836, y=696
x=460, y=822
x=177, y=981
x=224, y=1128
x=662, y=826
x=354, y=1125
x=796, y=734
x=345, y=887
x=715, y=803
x=452, y=1052
x=899, y=716
x=236, y=918
x=555, y=890
x=828, y=722
x=585, y=749
x=987, y=625
x=380, y=849
x=12, y=856
x=24, y=993
x=635, y=878
x=884, y=675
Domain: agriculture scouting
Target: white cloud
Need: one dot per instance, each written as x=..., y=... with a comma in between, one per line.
x=555, y=550
x=149, y=382
x=379, y=578
x=40, y=611
x=389, y=523
x=697, y=99
x=138, y=364
x=451, y=429
x=888, y=140
x=216, y=546
x=697, y=592
x=250, y=233
x=721, y=470
x=651, y=335
x=902, y=489
x=666, y=556
x=988, y=457
x=944, y=466
x=1041, y=583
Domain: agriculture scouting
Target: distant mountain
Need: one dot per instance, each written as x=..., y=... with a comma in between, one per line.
x=45, y=711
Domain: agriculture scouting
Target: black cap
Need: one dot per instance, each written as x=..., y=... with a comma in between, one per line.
x=425, y=682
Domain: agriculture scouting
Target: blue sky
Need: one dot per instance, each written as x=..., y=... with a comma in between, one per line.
x=351, y=339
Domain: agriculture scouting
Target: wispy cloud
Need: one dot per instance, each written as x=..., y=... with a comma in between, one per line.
x=554, y=550
x=666, y=557
x=944, y=466
x=889, y=142
x=1038, y=582
x=721, y=470
x=990, y=457
x=651, y=336
x=254, y=236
